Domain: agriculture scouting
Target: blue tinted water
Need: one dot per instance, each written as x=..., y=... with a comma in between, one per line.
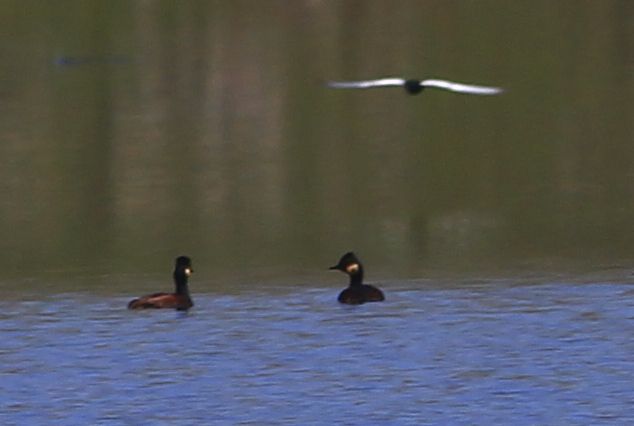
x=491, y=354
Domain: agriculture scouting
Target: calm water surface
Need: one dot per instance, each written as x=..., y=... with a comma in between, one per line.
x=133, y=132
x=492, y=352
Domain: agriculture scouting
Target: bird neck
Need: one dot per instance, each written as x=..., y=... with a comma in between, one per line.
x=356, y=279
x=180, y=280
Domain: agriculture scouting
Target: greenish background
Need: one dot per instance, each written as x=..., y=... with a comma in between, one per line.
x=135, y=131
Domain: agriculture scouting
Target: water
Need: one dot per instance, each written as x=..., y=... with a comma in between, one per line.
x=489, y=352
x=133, y=132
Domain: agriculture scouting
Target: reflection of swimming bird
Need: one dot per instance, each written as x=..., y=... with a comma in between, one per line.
x=178, y=300
x=414, y=87
x=71, y=61
x=357, y=292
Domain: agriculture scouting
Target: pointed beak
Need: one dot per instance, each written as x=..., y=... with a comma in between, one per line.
x=334, y=267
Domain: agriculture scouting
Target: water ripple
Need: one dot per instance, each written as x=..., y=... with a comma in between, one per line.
x=547, y=354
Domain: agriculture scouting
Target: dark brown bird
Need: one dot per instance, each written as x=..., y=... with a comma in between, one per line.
x=179, y=299
x=357, y=292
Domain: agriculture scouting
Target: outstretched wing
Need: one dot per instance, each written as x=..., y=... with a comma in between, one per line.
x=382, y=82
x=461, y=88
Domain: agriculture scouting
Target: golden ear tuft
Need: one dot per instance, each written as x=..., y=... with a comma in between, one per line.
x=352, y=268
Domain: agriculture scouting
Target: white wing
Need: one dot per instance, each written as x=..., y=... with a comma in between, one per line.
x=461, y=88
x=382, y=82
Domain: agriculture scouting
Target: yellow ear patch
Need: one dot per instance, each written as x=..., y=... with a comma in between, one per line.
x=352, y=268
x=188, y=271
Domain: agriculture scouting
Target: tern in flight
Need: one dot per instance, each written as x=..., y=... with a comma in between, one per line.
x=414, y=87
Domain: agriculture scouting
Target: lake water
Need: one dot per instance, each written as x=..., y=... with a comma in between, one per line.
x=132, y=132
x=470, y=352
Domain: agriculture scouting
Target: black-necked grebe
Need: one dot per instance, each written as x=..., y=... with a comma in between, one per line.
x=357, y=292
x=179, y=299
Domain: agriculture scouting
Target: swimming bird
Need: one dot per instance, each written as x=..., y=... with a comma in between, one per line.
x=414, y=87
x=357, y=292
x=179, y=300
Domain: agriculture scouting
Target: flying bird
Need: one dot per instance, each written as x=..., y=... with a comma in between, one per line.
x=414, y=87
